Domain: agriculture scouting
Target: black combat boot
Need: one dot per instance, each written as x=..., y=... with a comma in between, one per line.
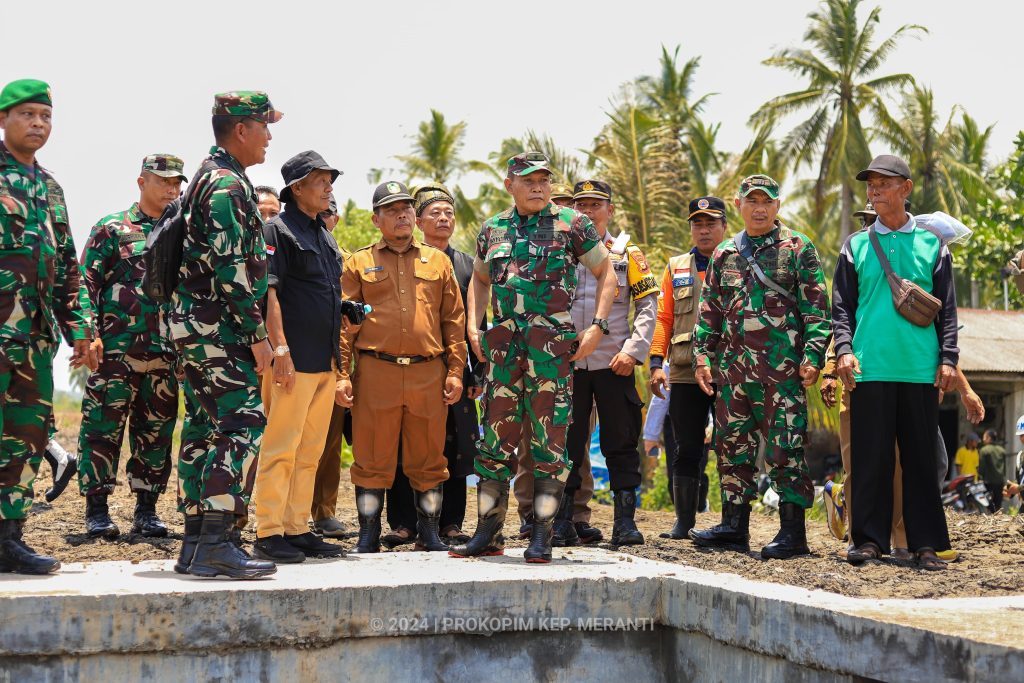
x=624, y=531
x=563, y=532
x=428, y=519
x=588, y=534
x=526, y=528
x=684, y=492
x=16, y=556
x=732, y=534
x=216, y=555
x=97, y=517
x=147, y=522
x=792, y=537
x=64, y=466
x=368, y=505
x=193, y=527
x=491, y=505
x=547, y=498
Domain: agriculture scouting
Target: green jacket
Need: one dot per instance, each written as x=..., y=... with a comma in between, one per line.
x=40, y=278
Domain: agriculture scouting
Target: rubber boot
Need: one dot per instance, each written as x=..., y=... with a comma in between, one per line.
x=685, y=492
x=791, y=540
x=624, y=531
x=564, y=532
x=368, y=505
x=733, y=533
x=547, y=498
x=216, y=555
x=147, y=522
x=193, y=527
x=491, y=504
x=428, y=518
x=16, y=556
x=63, y=465
x=97, y=517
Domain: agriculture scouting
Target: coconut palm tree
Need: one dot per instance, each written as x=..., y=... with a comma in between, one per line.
x=947, y=155
x=436, y=150
x=841, y=65
x=637, y=154
x=668, y=96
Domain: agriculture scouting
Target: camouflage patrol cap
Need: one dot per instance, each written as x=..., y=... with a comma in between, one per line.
x=165, y=166
x=428, y=193
x=761, y=182
x=596, y=189
x=254, y=104
x=526, y=163
x=561, y=191
x=25, y=90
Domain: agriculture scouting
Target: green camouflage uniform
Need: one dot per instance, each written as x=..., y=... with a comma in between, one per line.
x=755, y=341
x=215, y=317
x=531, y=262
x=40, y=293
x=135, y=382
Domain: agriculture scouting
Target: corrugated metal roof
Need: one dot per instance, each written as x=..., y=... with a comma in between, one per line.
x=991, y=341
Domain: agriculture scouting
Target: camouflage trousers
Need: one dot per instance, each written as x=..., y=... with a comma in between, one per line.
x=139, y=392
x=224, y=422
x=745, y=415
x=26, y=404
x=529, y=377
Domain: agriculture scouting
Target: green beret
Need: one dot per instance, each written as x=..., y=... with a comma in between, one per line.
x=25, y=90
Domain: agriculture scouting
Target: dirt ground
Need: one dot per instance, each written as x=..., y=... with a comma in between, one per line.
x=991, y=564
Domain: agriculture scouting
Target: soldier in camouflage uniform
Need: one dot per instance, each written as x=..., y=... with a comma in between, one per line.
x=217, y=325
x=529, y=253
x=40, y=297
x=761, y=337
x=136, y=374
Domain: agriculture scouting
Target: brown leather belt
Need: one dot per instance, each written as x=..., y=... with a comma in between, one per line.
x=399, y=360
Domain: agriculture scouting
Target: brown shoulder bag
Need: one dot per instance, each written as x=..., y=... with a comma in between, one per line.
x=912, y=302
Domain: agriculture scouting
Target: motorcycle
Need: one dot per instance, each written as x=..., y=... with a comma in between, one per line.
x=965, y=494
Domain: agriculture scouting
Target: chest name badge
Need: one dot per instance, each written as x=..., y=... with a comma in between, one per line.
x=373, y=269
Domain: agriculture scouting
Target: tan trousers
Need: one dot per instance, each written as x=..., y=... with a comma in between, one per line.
x=393, y=401
x=899, y=533
x=292, y=445
x=328, y=472
x=523, y=485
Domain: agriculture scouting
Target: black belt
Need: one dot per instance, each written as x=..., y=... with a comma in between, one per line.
x=399, y=360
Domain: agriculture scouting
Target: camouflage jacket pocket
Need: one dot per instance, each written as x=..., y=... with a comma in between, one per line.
x=13, y=217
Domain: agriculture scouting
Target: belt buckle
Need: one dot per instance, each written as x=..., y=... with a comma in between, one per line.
x=403, y=360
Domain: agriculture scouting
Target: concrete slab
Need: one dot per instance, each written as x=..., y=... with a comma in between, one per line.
x=133, y=620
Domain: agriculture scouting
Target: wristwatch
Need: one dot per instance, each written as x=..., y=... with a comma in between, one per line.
x=281, y=350
x=602, y=323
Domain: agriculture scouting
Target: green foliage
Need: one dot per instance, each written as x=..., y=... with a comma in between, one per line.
x=355, y=229
x=998, y=225
x=839, y=64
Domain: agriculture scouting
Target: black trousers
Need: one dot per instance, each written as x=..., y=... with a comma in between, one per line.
x=882, y=415
x=618, y=410
x=688, y=410
x=401, y=508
